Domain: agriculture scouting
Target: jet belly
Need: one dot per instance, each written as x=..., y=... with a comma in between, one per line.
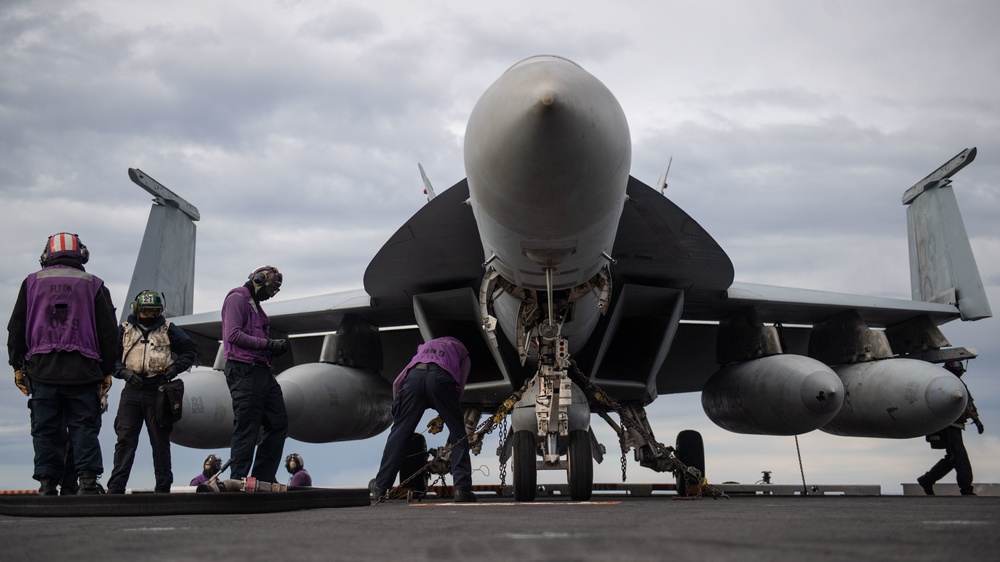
x=547, y=155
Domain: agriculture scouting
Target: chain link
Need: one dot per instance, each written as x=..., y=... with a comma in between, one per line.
x=501, y=448
x=624, y=447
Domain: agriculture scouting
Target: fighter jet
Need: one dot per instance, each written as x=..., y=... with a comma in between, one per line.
x=580, y=290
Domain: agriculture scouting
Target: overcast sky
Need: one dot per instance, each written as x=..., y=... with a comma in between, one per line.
x=296, y=126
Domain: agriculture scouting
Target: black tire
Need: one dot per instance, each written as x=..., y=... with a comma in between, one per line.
x=416, y=458
x=523, y=465
x=690, y=451
x=580, y=466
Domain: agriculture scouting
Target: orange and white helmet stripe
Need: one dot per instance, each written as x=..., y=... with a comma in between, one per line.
x=63, y=242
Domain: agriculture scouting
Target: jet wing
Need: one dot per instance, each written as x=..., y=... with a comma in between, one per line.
x=804, y=306
x=321, y=313
x=692, y=358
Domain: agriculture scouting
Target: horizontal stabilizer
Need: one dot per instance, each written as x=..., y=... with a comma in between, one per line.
x=163, y=195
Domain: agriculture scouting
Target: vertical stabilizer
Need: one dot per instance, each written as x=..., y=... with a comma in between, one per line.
x=942, y=266
x=166, y=256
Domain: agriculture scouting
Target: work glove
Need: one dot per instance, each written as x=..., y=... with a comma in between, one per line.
x=105, y=387
x=979, y=426
x=277, y=347
x=131, y=378
x=171, y=372
x=435, y=426
x=22, y=382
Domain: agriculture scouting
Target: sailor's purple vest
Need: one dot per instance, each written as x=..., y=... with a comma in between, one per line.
x=61, y=313
x=446, y=352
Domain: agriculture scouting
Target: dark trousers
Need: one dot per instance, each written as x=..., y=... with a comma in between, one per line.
x=69, y=485
x=955, y=457
x=257, y=403
x=56, y=409
x=426, y=388
x=138, y=406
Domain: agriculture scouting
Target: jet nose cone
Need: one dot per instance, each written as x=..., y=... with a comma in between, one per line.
x=547, y=157
x=946, y=397
x=548, y=132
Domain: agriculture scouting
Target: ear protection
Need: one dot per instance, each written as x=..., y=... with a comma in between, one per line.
x=260, y=275
x=293, y=462
x=268, y=277
x=213, y=463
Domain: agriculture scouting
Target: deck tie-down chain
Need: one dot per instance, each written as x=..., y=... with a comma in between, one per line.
x=484, y=429
x=693, y=477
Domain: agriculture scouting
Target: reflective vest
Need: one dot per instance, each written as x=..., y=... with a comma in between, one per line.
x=148, y=355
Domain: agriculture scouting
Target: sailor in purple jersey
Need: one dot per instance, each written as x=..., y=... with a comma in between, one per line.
x=297, y=468
x=257, y=398
x=62, y=343
x=434, y=378
x=211, y=466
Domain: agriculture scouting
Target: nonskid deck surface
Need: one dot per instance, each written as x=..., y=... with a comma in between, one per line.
x=146, y=504
x=827, y=527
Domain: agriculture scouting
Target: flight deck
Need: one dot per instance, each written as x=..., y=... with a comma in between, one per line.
x=612, y=527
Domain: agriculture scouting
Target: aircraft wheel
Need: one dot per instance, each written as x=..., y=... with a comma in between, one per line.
x=523, y=464
x=580, y=471
x=691, y=452
x=416, y=458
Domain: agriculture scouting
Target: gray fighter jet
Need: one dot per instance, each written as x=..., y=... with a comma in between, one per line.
x=589, y=292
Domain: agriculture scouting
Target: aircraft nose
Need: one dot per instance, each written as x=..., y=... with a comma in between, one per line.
x=545, y=133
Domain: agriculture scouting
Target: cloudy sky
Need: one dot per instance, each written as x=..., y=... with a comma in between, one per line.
x=296, y=127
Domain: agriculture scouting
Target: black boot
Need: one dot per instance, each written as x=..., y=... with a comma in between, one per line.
x=926, y=484
x=48, y=486
x=69, y=486
x=89, y=484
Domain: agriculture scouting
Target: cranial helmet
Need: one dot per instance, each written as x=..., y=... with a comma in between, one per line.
x=147, y=300
x=293, y=463
x=63, y=245
x=213, y=464
x=267, y=277
x=956, y=367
